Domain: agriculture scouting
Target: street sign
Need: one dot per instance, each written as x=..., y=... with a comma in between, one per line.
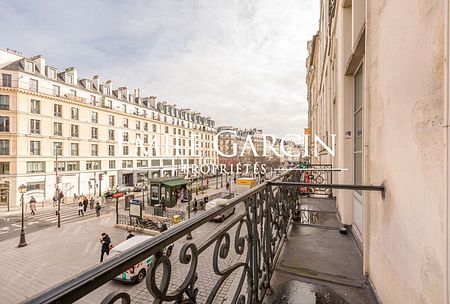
x=136, y=208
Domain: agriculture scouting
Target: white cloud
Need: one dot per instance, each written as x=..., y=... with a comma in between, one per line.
x=240, y=62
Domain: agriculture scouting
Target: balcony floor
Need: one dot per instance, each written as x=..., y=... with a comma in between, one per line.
x=317, y=263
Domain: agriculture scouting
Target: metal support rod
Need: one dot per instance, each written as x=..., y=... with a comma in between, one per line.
x=380, y=188
x=117, y=210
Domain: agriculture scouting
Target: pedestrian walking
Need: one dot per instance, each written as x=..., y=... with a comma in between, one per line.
x=195, y=205
x=228, y=185
x=32, y=205
x=130, y=235
x=105, y=240
x=91, y=203
x=80, y=209
x=55, y=201
x=207, y=199
x=97, y=208
x=85, y=204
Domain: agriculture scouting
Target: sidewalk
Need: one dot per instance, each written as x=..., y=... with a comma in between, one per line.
x=44, y=205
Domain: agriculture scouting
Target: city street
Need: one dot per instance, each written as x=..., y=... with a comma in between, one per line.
x=53, y=255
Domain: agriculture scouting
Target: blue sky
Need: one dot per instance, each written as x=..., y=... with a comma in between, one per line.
x=240, y=62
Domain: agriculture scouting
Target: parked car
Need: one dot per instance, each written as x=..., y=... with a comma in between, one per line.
x=220, y=202
x=137, y=273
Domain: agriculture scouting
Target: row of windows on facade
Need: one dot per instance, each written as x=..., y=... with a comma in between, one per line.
x=57, y=112
x=33, y=86
x=67, y=166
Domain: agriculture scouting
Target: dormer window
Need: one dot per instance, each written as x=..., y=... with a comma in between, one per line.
x=29, y=66
x=51, y=73
x=88, y=85
x=69, y=78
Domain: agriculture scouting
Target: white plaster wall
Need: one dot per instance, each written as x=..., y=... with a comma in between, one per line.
x=406, y=148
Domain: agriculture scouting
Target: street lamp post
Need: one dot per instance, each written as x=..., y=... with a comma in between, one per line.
x=189, y=235
x=22, y=242
x=58, y=196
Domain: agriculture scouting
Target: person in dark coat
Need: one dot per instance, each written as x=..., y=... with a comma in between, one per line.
x=195, y=205
x=106, y=242
x=130, y=235
x=85, y=204
x=91, y=203
x=97, y=208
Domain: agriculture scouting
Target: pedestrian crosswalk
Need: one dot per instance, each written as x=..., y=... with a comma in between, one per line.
x=68, y=214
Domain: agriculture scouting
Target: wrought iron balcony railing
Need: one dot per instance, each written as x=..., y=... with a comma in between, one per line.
x=256, y=234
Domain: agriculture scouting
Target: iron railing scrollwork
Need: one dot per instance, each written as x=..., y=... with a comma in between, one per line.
x=245, y=249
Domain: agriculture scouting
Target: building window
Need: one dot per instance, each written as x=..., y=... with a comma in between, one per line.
x=57, y=148
x=138, y=151
x=73, y=166
x=29, y=66
x=145, y=139
x=4, y=102
x=35, y=106
x=4, y=123
x=138, y=125
x=74, y=130
x=94, y=133
x=125, y=150
x=358, y=127
x=93, y=99
x=155, y=162
x=73, y=92
x=57, y=110
x=93, y=165
x=111, y=134
x=167, y=129
x=112, y=164
x=145, y=126
x=51, y=73
x=127, y=164
x=94, y=117
x=154, y=128
x=6, y=80
x=125, y=136
x=33, y=85
x=111, y=120
x=35, y=126
x=55, y=90
x=142, y=163
x=35, y=167
x=69, y=78
x=74, y=113
x=57, y=128
x=4, y=146
x=74, y=149
x=167, y=162
x=94, y=150
x=111, y=150
x=35, y=147
x=125, y=122
x=4, y=168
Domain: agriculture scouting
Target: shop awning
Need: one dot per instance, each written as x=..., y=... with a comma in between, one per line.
x=177, y=182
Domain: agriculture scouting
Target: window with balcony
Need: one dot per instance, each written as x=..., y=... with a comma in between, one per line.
x=57, y=110
x=35, y=106
x=6, y=80
x=35, y=147
x=94, y=133
x=111, y=120
x=74, y=149
x=94, y=117
x=74, y=113
x=4, y=167
x=111, y=150
x=35, y=167
x=33, y=85
x=56, y=91
x=74, y=130
x=4, y=123
x=57, y=129
x=94, y=150
x=35, y=126
x=111, y=134
x=4, y=102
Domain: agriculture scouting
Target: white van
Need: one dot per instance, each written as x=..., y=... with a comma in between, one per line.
x=220, y=202
x=138, y=272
